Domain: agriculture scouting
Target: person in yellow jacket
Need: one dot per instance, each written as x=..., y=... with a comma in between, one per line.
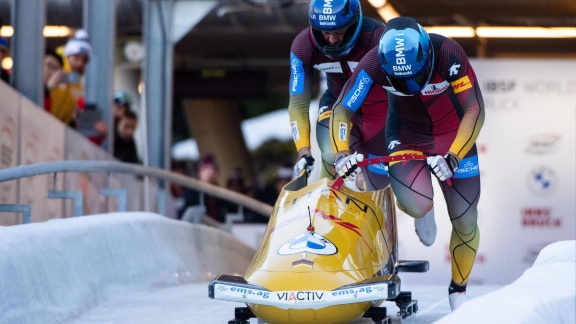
x=66, y=96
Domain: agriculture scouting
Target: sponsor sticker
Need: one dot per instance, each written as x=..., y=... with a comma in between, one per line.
x=296, y=75
x=453, y=69
x=543, y=144
x=461, y=84
x=330, y=67
x=435, y=88
x=247, y=291
x=467, y=168
x=342, y=131
x=301, y=299
x=327, y=20
x=295, y=133
x=377, y=168
x=308, y=242
x=359, y=91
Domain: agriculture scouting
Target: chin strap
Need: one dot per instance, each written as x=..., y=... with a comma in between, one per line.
x=337, y=185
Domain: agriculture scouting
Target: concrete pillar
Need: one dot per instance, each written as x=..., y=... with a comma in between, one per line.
x=216, y=126
x=28, y=19
x=100, y=22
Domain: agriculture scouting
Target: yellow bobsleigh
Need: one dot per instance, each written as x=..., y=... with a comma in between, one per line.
x=327, y=256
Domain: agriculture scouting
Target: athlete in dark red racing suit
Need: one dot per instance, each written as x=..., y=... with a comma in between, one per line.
x=436, y=109
x=334, y=43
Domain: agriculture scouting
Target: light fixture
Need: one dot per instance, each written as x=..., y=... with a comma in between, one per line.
x=452, y=31
x=526, y=32
x=384, y=9
x=7, y=63
x=387, y=12
x=377, y=3
x=57, y=31
x=6, y=31
x=49, y=31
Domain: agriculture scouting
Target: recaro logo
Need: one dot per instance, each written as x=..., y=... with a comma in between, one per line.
x=543, y=143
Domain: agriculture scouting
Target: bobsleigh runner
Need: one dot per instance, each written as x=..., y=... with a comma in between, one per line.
x=329, y=255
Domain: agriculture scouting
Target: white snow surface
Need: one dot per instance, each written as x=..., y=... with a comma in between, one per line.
x=144, y=268
x=545, y=293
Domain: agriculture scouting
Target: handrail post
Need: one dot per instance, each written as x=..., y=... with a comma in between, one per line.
x=25, y=209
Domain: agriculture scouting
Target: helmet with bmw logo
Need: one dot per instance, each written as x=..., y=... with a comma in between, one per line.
x=333, y=16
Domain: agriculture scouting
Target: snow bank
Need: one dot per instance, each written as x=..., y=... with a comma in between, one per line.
x=55, y=270
x=545, y=293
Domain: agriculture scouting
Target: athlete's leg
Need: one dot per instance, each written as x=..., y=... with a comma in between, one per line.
x=412, y=185
x=462, y=202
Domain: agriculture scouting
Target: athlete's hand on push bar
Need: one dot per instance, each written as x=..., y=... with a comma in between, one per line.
x=443, y=166
x=347, y=166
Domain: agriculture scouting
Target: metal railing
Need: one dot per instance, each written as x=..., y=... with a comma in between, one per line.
x=193, y=214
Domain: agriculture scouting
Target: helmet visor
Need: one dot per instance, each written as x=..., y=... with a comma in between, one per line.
x=411, y=85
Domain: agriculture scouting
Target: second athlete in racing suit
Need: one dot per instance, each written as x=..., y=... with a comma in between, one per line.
x=435, y=109
x=311, y=50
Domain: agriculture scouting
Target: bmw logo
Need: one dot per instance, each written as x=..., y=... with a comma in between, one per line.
x=542, y=181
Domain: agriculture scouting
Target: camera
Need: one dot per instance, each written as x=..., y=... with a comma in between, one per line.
x=73, y=77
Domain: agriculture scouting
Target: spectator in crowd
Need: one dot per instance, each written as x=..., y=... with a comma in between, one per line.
x=124, y=144
x=208, y=171
x=122, y=102
x=237, y=182
x=66, y=91
x=67, y=97
x=53, y=76
x=4, y=52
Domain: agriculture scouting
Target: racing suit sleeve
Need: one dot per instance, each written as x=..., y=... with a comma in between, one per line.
x=463, y=80
x=340, y=128
x=301, y=75
x=350, y=100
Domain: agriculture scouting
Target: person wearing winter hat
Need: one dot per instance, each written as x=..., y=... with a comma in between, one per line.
x=67, y=97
